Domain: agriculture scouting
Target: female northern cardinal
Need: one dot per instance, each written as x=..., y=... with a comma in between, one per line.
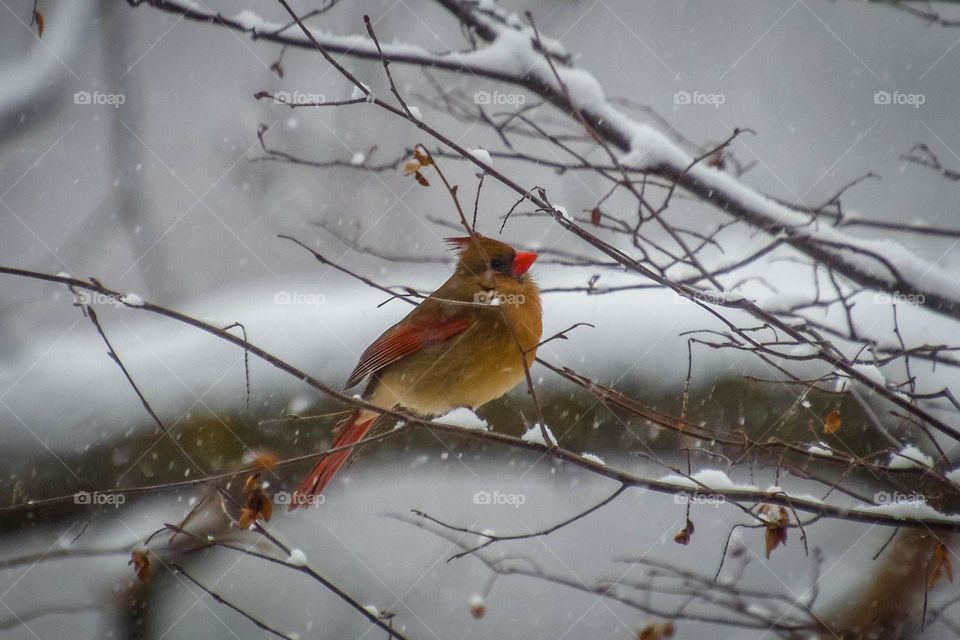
x=461, y=347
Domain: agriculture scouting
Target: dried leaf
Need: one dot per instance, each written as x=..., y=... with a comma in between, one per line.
x=411, y=167
x=262, y=459
x=141, y=564
x=421, y=179
x=717, y=159
x=277, y=68
x=656, y=631
x=939, y=565
x=776, y=536
x=39, y=21
x=683, y=536
x=257, y=505
x=832, y=423
x=777, y=522
x=478, y=609
x=595, y=216
x=422, y=157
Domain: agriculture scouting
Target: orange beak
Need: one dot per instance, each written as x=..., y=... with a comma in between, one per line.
x=522, y=261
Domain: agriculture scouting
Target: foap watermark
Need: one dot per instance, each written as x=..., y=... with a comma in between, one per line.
x=899, y=297
x=499, y=98
x=299, y=298
x=498, y=498
x=900, y=99
x=497, y=299
x=296, y=97
x=696, y=497
x=299, y=499
x=99, y=98
x=684, y=98
x=96, y=498
x=95, y=298
x=897, y=497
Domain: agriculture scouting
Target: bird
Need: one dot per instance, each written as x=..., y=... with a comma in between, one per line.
x=469, y=342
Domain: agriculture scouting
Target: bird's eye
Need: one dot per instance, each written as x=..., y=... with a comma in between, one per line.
x=496, y=263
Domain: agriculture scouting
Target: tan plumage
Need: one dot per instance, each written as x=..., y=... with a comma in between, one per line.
x=461, y=347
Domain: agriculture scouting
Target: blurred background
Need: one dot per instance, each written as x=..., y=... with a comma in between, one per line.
x=130, y=154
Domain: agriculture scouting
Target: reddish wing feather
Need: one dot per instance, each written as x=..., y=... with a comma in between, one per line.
x=402, y=340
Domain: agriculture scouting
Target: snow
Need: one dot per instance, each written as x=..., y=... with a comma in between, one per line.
x=372, y=610
x=482, y=155
x=709, y=478
x=910, y=457
x=297, y=558
x=872, y=373
x=250, y=21
x=132, y=300
x=908, y=509
x=415, y=111
x=953, y=476
x=804, y=351
x=535, y=435
x=464, y=418
x=819, y=449
x=593, y=458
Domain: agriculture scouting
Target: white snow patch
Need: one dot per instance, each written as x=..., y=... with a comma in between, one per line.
x=910, y=457
x=358, y=158
x=415, y=111
x=464, y=418
x=482, y=155
x=535, y=435
x=592, y=457
x=954, y=476
x=872, y=373
x=132, y=300
x=297, y=558
x=709, y=478
x=908, y=509
x=819, y=449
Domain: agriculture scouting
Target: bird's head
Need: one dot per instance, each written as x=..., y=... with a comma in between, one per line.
x=488, y=259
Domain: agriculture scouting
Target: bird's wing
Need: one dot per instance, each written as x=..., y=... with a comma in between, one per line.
x=403, y=339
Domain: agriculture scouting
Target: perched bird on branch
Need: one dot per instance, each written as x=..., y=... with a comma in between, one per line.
x=463, y=346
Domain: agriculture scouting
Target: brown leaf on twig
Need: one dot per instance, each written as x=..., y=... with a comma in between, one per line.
x=39, y=21
x=939, y=565
x=683, y=536
x=421, y=160
x=776, y=522
x=656, y=631
x=478, y=608
x=717, y=159
x=595, y=216
x=141, y=564
x=257, y=505
x=833, y=422
x=422, y=157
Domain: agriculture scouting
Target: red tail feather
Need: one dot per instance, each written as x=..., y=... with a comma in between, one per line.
x=353, y=431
